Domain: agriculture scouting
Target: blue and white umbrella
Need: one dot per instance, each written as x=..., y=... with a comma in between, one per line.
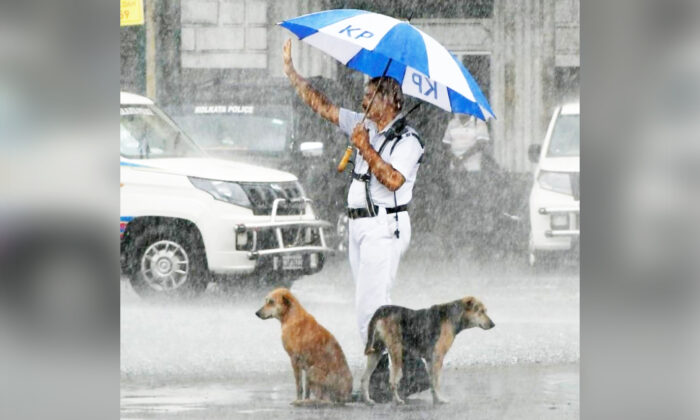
x=367, y=41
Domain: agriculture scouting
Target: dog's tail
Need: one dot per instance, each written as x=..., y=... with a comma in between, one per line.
x=369, y=348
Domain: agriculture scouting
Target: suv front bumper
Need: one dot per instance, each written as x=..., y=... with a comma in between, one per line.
x=573, y=217
x=248, y=244
x=554, y=220
x=288, y=247
x=312, y=230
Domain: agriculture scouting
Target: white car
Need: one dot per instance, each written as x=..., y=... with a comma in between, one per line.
x=185, y=216
x=555, y=197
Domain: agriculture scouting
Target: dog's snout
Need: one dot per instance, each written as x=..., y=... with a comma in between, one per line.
x=486, y=323
x=259, y=314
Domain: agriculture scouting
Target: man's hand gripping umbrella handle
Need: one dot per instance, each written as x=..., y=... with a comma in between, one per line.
x=348, y=152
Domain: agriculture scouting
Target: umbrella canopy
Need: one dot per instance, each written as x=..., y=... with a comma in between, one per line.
x=367, y=42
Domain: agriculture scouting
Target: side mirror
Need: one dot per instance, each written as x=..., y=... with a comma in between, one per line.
x=311, y=148
x=533, y=152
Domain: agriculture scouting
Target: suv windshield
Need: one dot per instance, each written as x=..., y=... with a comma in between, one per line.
x=147, y=133
x=263, y=132
x=566, y=136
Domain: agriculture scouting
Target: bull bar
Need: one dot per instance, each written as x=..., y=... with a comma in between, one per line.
x=561, y=232
x=274, y=224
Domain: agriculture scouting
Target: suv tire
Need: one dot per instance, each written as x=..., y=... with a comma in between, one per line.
x=169, y=262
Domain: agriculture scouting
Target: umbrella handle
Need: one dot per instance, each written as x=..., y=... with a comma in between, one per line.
x=344, y=161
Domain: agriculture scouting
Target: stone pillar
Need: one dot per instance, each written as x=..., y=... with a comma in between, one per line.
x=522, y=77
x=168, y=70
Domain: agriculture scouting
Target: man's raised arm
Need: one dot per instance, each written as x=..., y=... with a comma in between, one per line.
x=312, y=97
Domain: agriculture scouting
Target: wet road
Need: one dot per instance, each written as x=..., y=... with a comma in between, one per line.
x=508, y=392
x=214, y=359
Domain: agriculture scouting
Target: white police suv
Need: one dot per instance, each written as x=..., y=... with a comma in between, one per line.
x=555, y=198
x=187, y=219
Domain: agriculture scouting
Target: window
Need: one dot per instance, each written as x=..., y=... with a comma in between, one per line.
x=146, y=133
x=243, y=133
x=566, y=137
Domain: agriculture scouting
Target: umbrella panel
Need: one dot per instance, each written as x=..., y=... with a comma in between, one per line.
x=366, y=41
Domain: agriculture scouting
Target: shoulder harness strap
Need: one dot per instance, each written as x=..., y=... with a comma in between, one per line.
x=405, y=133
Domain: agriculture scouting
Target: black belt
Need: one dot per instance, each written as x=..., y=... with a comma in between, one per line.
x=359, y=213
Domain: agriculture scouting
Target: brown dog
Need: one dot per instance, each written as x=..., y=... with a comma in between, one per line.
x=311, y=348
x=426, y=333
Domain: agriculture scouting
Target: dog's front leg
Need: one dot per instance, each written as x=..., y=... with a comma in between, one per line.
x=372, y=362
x=296, y=366
x=307, y=388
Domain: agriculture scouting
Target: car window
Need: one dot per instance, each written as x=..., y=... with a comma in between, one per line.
x=246, y=133
x=147, y=133
x=565, y=141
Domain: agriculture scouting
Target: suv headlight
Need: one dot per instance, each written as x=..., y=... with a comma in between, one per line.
x=555, y=181
x=230, y=192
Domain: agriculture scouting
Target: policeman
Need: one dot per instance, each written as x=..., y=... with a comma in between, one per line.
x=386, y=164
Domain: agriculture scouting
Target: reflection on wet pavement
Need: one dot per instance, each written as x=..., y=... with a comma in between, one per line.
x=523, y=392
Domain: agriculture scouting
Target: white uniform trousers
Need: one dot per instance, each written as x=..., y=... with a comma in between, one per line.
x=374, y=252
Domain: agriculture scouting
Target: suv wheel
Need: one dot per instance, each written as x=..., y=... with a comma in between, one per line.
x=168, y=263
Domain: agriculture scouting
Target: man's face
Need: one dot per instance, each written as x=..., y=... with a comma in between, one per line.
x=380, y=106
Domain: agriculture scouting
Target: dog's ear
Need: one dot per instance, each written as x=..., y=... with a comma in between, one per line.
x=468, y=303
x=286, y=301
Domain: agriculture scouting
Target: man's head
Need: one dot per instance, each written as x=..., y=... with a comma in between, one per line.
x=389, y=98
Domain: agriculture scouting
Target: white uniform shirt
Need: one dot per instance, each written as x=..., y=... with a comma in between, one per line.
x=404, y=159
